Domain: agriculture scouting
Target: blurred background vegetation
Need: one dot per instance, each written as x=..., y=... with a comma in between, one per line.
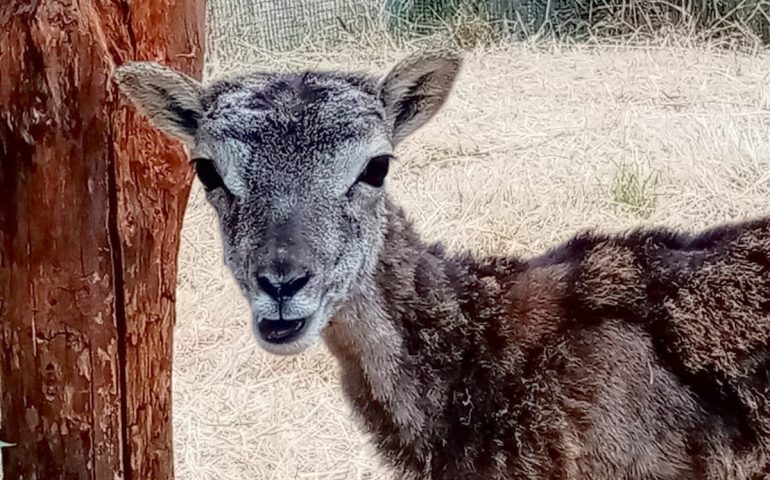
x=580, y=19
x=272, y=25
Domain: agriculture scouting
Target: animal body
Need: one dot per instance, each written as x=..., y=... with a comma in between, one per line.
x=641, y=356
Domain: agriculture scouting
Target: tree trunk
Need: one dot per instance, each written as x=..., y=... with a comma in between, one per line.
x=91, y=205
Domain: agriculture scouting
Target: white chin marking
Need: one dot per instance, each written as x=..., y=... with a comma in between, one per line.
x=292, y=348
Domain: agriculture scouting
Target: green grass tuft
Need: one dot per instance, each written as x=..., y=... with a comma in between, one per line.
x=634, y=189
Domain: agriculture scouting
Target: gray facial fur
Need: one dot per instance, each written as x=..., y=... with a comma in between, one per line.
x=289, y=149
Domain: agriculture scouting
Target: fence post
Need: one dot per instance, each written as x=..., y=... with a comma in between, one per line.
x=91, y=206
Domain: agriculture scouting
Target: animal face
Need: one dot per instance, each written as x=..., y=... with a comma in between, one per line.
x=294, y=165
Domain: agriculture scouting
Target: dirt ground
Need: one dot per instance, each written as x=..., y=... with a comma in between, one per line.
x=536, y=145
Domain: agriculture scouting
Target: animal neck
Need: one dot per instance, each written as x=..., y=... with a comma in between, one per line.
x=406, y=336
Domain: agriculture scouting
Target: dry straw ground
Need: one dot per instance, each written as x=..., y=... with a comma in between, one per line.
x=537, y=144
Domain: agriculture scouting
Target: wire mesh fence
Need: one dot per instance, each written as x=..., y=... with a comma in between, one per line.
x=417, y=17
x=274, y=25
x=285, y=24
x=277, y=24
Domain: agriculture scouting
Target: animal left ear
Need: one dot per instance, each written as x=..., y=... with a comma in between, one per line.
x=170, y=99
x=416, y=88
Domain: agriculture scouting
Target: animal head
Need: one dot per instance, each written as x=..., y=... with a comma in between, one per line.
x=294, y=165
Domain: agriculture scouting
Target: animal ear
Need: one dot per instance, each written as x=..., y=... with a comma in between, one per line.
x=170, y=99
x=416, y=88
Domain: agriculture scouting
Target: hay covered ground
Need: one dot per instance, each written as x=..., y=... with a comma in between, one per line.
x=537, y=144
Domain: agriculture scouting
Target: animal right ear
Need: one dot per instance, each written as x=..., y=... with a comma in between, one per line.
x=170, y=99
x=415, y=89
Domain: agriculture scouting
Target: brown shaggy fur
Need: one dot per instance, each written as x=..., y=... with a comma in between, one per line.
x=641, y=356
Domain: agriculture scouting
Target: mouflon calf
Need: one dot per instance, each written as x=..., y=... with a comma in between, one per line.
x=635, y=356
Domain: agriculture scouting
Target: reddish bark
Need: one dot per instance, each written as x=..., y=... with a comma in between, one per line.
x=91, y=205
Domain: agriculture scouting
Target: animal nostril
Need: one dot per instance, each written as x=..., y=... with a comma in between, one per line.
x=294, y=285
x=267, y=287
x=282, y=290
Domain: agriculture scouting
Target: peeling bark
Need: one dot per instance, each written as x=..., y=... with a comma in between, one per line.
x=91, y=206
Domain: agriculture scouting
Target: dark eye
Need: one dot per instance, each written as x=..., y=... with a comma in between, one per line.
x=376, y=170
x=207, y=174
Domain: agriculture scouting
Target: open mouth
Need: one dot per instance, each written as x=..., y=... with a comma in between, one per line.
x=281, y=331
